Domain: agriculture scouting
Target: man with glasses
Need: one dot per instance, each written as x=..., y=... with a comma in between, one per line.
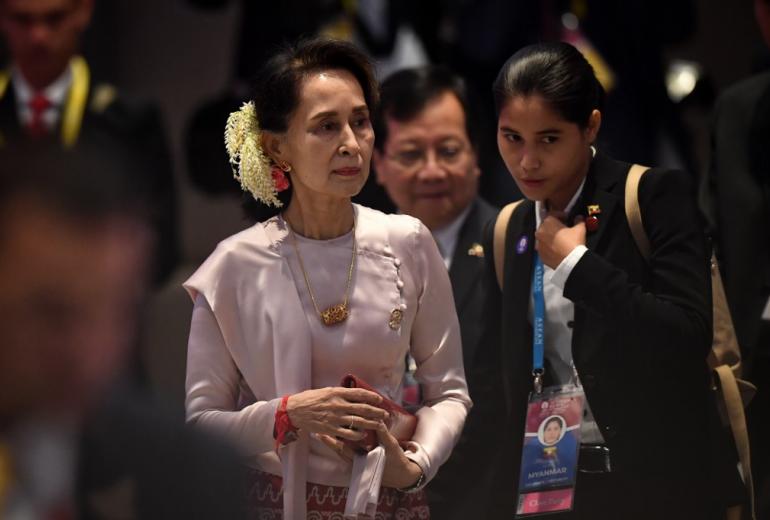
x=426, y=159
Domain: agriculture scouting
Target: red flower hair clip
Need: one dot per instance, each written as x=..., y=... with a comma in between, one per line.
x=280, y=180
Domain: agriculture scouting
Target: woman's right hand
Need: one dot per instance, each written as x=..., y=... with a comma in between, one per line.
x=336, y=411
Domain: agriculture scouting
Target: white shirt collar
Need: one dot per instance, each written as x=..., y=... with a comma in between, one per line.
x=447, y=236
x=541, y=211
x=56, y=92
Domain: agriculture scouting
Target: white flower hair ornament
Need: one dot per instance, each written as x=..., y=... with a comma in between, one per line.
x=251, y=166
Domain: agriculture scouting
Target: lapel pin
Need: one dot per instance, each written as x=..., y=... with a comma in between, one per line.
x=592, y=221
x=521, y=244
x=476, y=250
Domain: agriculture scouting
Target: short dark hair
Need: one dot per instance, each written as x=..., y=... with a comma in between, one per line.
x=277, y=85
x=557, y=72
x=405, y=93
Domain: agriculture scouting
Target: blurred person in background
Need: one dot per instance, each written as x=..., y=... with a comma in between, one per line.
x=426, y=159
x=737, y=202
x=47, y=94
x=75, y=440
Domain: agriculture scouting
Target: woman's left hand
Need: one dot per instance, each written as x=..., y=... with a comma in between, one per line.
x=400, y=471
x=554, y=240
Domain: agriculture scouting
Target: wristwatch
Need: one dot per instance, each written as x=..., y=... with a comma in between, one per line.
x=417, y=486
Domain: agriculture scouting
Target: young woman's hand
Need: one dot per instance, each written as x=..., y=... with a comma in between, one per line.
x=554, y=240
x=336, y=411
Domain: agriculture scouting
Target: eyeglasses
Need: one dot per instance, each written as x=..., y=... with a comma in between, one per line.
x=446, y=154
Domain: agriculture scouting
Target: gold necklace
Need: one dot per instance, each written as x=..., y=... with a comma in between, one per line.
x=336, y=313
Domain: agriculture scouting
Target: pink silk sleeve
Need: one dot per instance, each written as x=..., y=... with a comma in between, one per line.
x=436, y=347
x=212, y=388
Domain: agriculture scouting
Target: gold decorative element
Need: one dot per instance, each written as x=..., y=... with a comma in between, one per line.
x=336, y=313
x=396, y=315
x=594, y=209
x=103, y=96
x=476, y=250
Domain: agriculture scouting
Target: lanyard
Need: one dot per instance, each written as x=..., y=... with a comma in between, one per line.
x=538, y=325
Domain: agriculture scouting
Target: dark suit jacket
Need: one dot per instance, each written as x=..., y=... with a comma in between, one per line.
x=447, y=491
x=739, y=197
x=137, y=131
x=640, y=339
x=466, y=273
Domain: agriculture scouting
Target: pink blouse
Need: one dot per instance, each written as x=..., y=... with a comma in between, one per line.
x=255, y=336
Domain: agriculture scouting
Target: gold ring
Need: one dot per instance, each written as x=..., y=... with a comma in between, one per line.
x=352, y=419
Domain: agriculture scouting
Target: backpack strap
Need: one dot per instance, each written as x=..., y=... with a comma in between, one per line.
x=733, y=405
x=633, y=213
x=501, y=226
x=724, y=357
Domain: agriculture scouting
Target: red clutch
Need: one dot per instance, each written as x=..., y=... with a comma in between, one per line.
x=401, y=424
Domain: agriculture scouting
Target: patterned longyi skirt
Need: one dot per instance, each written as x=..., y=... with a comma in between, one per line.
x=265, y=501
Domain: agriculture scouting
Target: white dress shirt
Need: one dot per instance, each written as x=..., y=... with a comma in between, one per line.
x=446, y=238
x=56, y=93
x=559, y=313
x=44, y=451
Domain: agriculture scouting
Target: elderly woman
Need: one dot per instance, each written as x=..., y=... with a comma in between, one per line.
x=287, y=308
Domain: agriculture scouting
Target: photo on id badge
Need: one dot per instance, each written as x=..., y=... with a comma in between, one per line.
x=550, y=452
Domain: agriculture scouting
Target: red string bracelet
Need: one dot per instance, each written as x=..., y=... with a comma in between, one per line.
x=284, y=431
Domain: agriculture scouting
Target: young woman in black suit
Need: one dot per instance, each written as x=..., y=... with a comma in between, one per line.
x=636, y=331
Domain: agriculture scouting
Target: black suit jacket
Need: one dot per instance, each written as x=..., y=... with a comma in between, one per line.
x=640, y=339
x=136, y=130
x=465, y=273
x=448, y=492
x=739, y=204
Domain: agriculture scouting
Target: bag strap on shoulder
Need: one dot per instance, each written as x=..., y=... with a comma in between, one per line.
x=501, y=226
x=633, y=213
x=724, y=357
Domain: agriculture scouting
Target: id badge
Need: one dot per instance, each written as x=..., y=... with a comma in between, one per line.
x=549, y=457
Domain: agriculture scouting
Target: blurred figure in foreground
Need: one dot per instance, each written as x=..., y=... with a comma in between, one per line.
x=74, y=247
x=47, y=95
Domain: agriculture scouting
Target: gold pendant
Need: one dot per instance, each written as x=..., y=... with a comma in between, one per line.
x=335, y=314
